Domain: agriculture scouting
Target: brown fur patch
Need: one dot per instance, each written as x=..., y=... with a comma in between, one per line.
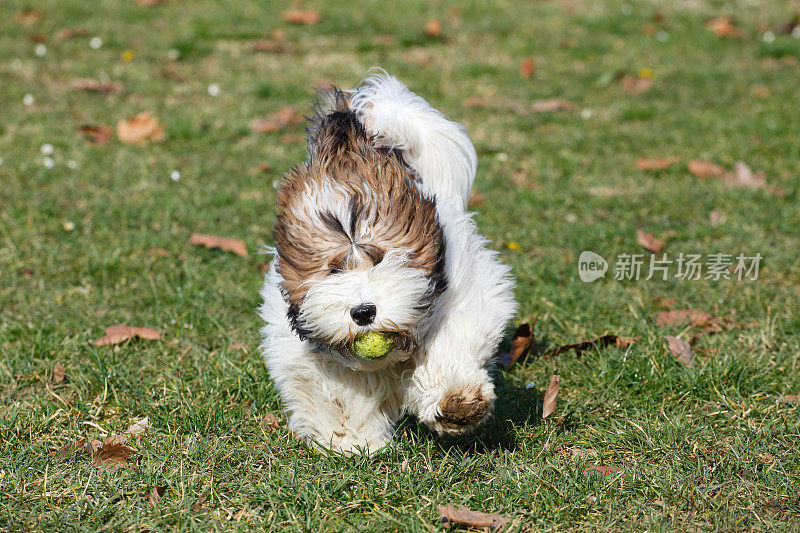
x=462, y=409
x=350, y=204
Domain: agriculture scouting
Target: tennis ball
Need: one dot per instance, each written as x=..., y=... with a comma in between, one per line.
x=373, y=345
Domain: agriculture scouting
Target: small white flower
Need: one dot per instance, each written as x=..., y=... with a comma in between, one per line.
x=95, y=42
x=586, y=113
x=47, y=149
x=40, y=50
x=213, y=90
x=72, y=164
x=571, y=217
x=28, y=100
x=48, y=162
x=662, y=36
x=175, y=175
x=173, y=54
x=768, y=37
x=69, y=225
x=502, y=157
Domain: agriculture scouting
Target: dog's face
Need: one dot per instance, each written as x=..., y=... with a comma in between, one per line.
x=359, y=246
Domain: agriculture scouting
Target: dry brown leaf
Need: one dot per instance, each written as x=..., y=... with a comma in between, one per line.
x=96, y=134
x=551, y=396
x=96, y=86
x=577, y=453
x=70, y=33
x=605, y=471
x=79, y=447
x=236, y=246
x=199, y=502
x=458, y=514
x=121, y=332
x=724, y=27
x=276, y=121
x=113, y=455
x=790, y=398
x=521, y=342
x=550, y=105
x=59, y=373
x=140, y=128
x=635, y=84
x=599, y=342
x=742, y=176
x=28, y=17
x=681, y=350
x=527, y=68
x=476, y=199
x=308, y=17
x=705, y=169
x=271, y=420
x=648, y=241
x=693, y=317
x=136, y=428
x=156, y=494
x=433, y=28
x=660, y=163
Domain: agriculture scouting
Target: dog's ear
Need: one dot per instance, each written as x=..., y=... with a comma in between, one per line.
x=335, y=130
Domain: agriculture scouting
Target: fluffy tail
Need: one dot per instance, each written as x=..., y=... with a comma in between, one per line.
x=438, y=149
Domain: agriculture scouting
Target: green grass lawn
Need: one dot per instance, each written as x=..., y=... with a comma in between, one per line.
x=710, y=447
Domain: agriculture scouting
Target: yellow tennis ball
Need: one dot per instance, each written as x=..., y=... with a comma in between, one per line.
x=373, y=345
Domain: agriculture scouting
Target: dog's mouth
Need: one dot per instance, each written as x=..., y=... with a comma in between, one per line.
x=375, y=345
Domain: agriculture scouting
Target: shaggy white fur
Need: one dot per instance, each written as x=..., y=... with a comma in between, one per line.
x=349, y=404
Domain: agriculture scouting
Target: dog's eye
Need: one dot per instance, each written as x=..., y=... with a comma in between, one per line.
x=335, y=270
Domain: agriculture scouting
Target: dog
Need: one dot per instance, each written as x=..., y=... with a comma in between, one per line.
x=373, y=235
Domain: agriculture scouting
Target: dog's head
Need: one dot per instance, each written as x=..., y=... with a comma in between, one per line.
x=359, y=246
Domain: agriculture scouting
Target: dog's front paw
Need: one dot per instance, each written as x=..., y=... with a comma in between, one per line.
x=461, y=410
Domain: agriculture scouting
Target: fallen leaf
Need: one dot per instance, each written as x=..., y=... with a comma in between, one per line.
x=656, y=164
x=276, y=121
x=527, y=68
x=140, y=128
x=458, y=514
x=160, y=252
x=120, y=333
x=635, y=84
x=693, y=317
x=199, y=502
x=681, y=350
x=59, y=373
x=521, y=342
x=550, y=396
x=724, y=27
x=79, y=447
x=433, y=28
x=136, y=428
x=743, y=176
x=96, y=86
x=28, y=17
x=599, y=342
x=96, y=134
x=476, y=199
x=604, y=471
x=577, y=453
x=113, y=455
x=790, y=398
x=156, y=494
x=648, y=241
x=271, y=420
x=236, y=246
x=70, y=33
x=550, y=105
x=705, y=169
x=302, y=16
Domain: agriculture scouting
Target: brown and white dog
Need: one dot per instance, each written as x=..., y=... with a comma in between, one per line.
x=372, y=235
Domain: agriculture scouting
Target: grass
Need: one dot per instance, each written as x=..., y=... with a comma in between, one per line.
x=708, y=448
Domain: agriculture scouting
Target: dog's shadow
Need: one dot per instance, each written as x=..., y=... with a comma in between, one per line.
x=515, y=407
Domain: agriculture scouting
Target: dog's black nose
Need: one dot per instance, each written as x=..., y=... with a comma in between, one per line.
x=363, y=314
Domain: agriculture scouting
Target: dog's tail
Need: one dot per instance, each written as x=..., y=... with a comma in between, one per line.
x=437, y=148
